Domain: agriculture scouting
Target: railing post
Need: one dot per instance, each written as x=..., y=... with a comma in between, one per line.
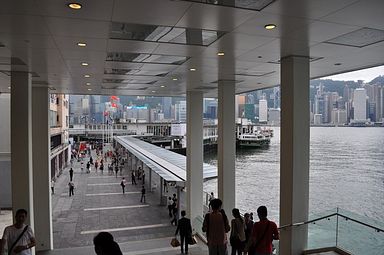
x=337, y=224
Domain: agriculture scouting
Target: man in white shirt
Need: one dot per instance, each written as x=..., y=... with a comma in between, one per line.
x=18, y=238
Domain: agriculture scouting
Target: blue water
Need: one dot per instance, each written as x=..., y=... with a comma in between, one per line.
x=346, y=171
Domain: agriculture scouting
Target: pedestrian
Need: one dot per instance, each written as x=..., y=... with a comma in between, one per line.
x=142, y=194
x=165, y=186
x=19, y=237
x=169, y=203
x=143, y=177
x=123, y=183
x=237, y=237
x=133, y=178
x=211, y=197
x=105, y=245
x=248, y=226
x=90, y=159
x=71, y=187
x=174, y=198
x=101, y=167
x=71, y=174
x=263, y=233
x=116, y=170
x=88, y=167
x=185, y=229
x=174, y=213
x=216, y=226
x=96, y=165
x=52, y=187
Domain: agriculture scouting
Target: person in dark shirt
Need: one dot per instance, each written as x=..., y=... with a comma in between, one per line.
x=142, y=194
x=185, y=229
x=105, y=245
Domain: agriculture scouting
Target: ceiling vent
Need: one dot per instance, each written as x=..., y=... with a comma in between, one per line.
x=128, y=81
x=254, y=73
x=163, y=34
x=133, y=72
x=311, y=59
x=359, y=38
x=255, y=5
x=227, y=80
x=2, y=44
x=145, y=58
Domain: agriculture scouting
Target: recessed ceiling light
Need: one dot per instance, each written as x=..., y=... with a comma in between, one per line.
x=81, y=44
x=84, y=64
x=153, y=91
x=162, y=86
x=174, y=79
x=270, y=26
x=9, y=87
x=220, y=54
x=337, y=64
x=88, y=83
x=87, y=76
x=192, y=69
x=75, y=6
x=89, y=89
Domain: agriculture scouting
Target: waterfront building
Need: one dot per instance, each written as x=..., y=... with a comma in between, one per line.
x=263, y=110
x=360, y=105
x=317, y=119
x=181, y=111
x=274, y=116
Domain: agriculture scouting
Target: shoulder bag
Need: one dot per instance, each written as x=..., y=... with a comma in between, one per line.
x=18, y=238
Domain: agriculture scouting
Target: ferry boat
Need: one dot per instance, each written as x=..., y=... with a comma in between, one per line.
x=253, y=136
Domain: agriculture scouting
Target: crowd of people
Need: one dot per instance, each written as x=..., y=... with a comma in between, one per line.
x=243, y=234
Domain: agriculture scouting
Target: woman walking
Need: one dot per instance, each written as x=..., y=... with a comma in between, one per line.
x=237, y=237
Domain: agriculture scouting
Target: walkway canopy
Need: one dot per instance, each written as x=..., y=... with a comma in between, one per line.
x=169, y=165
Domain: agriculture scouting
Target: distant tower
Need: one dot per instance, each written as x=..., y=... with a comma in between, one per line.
x=360, y=104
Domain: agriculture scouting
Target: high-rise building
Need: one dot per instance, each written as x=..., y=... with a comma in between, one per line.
x=360, y=104
x=181, y=110
x=167, y=103
x=263, y=110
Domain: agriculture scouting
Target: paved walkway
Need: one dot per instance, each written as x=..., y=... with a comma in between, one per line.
x=99, y=205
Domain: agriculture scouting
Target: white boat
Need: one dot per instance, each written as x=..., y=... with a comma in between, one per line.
x=253, y=136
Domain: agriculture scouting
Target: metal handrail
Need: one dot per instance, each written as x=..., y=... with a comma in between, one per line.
x=328, y=216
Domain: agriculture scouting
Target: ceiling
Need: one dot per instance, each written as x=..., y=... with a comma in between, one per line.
x=147, y=47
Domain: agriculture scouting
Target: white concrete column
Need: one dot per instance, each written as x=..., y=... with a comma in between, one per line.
x=194, y=182
x=41, y=168
x=226, y=145
x=21, y=143
x=294, y=155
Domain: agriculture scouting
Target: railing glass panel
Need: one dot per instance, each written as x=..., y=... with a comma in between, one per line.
x=322, y=233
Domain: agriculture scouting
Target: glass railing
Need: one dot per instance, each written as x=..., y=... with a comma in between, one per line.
x=343, y=230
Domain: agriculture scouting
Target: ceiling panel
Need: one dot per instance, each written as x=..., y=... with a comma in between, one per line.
x=93, y=10
x=363, y=13
x=77, y=27
x=313, y=9
x=23, y=24
x=70, y=43
x=159, y=12
x=213, y=17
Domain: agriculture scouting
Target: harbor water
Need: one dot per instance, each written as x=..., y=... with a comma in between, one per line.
x=346, y=171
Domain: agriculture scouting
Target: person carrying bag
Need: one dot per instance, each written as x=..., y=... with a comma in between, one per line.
x=262, y=244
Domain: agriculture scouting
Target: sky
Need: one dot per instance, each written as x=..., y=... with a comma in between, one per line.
x=366, y=74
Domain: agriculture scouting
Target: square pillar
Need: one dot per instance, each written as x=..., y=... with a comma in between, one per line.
x=21, y=143
x=41, y=168
x=194, y=154
x=226, y=145
x=294, y=155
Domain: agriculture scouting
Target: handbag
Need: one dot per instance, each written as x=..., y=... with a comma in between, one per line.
x=192, y=240
x=175, y=242
x=18, y=238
